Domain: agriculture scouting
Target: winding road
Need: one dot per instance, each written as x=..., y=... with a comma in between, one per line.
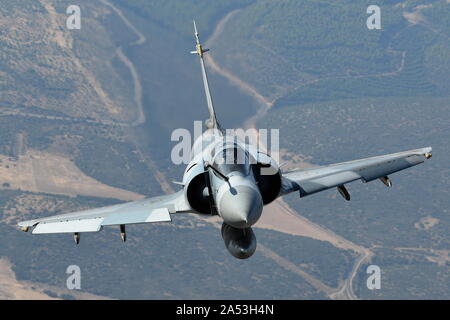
x=310, y=229
x=345, y=291
x=141, y=39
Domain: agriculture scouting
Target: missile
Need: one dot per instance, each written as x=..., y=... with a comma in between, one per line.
x=123, y=234
x=387, y=182
x=344, y=192
x=199, y=50
x=76, y=237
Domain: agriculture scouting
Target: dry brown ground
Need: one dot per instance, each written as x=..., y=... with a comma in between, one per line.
x=39, y=171
x=11, y=288
x=426, y=223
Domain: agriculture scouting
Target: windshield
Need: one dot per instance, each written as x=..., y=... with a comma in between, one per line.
x=232, y=158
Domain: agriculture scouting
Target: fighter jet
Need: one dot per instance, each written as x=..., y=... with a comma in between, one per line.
x=232, y=179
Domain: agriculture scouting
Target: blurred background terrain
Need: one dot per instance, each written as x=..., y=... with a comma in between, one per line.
x=86, y=117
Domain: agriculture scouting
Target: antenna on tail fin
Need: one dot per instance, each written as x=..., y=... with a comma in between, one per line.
x=212, y=123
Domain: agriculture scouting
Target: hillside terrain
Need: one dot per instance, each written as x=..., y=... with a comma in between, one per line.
x=86, y=117
x=340, y=92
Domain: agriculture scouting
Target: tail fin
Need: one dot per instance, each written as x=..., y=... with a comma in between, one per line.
x=212, y=123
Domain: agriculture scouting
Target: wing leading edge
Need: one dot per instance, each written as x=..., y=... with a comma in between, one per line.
x=156, y=209
x=310, y=181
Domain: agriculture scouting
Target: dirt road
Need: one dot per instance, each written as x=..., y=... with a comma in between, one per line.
x=279, y=216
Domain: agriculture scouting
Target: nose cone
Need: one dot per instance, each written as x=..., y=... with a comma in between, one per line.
x=241, y=206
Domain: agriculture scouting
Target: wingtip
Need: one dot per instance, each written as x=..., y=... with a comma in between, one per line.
x=24, y=226
x=427, y=152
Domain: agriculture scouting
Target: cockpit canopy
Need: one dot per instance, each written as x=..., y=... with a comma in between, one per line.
x=231, y=158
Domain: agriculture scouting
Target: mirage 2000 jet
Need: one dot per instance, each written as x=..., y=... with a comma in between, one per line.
x=231, y=179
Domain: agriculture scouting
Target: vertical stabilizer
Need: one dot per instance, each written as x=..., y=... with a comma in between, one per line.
x=212, y=123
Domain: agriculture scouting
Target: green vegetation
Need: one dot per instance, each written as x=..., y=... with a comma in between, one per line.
x=352, y=93
x=80, y=140
x=55, y=67
x=305, y=51
x=344, y=130
x=184, y=259
x=409, y=79
x=177, y=15
x=340, y=91
x=122, y=158
x=318, y=258
x=409, y=274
